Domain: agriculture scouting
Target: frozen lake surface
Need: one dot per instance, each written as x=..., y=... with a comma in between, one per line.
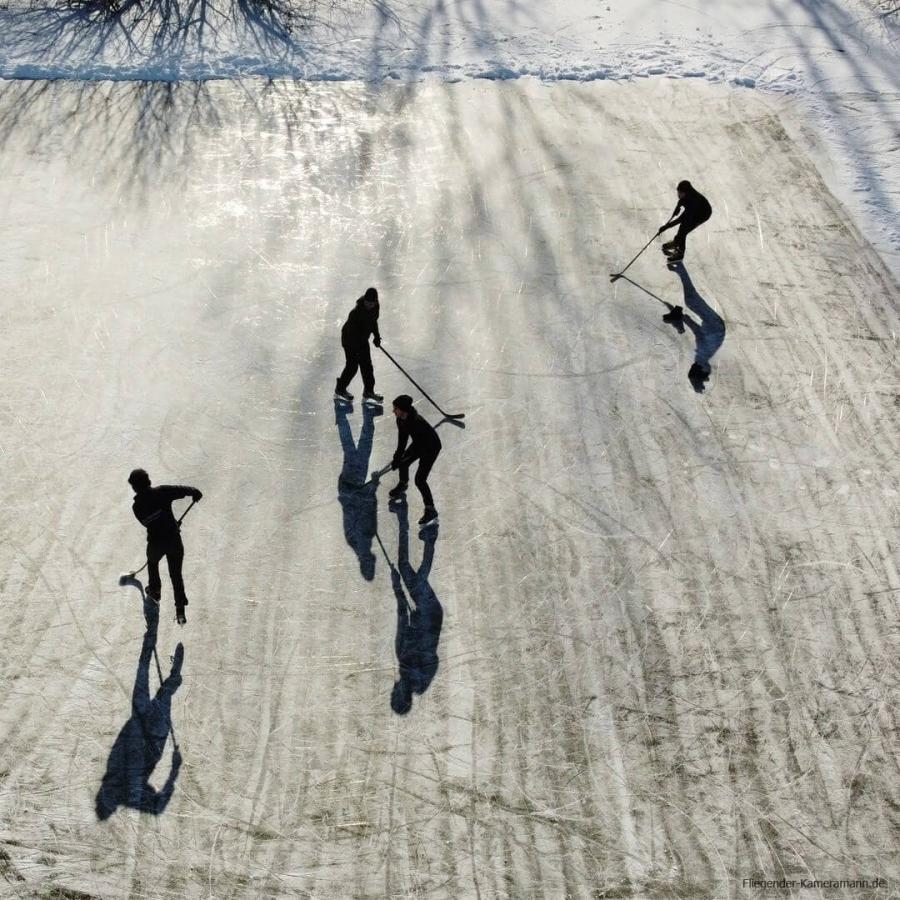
x=652, y=649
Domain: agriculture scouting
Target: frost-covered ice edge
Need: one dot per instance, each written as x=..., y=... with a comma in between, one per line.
x=711, y=63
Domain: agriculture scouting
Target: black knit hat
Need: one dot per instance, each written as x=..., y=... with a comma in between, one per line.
x=371, y=295
x=404, y=402
x=139, y=479
x=685, y=186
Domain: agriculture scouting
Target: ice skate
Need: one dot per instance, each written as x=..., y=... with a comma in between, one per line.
x=675, y=316
x=396, y=493
x=152, y=595
x=342, y=393
x=699, y=370
x=698, y=376
x=672, y=251
x=429, y=516
x=372, y=398
x=180, y=617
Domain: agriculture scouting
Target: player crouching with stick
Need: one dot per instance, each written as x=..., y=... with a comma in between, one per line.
x=425, y=446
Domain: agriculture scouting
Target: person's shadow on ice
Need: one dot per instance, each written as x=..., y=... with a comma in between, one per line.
x=359, y=505
x=142, y=740
x=709, y=332
x=418, y=623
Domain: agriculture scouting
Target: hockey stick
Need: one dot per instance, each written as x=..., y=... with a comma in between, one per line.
x=448, y=416
x=675, y=312
x=383, y=550
x=613, y=276
x=452, y=421
x=373, y=478
x=124, y=579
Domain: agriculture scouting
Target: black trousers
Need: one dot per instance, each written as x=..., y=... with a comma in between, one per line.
x=684, y=229
x=358, y=359
x=173, y=550
x=426, y=461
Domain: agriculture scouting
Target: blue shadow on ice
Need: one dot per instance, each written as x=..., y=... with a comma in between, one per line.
x=420, y=616
x=709, y=331
x=142, y=740
x=359, y=504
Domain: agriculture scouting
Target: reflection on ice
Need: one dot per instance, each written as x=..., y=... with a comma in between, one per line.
x=420, y=616
x=359, y=504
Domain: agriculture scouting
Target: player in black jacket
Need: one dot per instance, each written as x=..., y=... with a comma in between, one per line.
x=362, y=322
x=695, y=211
x=153, y=509
x=425, y=446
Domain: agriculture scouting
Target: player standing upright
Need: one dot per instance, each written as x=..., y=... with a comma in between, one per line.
x=361, y=323
x=152, y=507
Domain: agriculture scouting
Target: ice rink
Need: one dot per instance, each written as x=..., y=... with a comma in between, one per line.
x=652, y=650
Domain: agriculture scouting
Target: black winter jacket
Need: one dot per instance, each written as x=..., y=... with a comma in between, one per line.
x=152, y=507
x=359, y=325
x=425, y=440
x=695, y=208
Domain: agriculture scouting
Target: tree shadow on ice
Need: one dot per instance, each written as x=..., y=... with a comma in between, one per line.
x=420, y=616
x=93, y=70
x=709, y=331
x=142, y=741
x=359, y=504
x=90, y=38
x=144, y=135
x=421, y=29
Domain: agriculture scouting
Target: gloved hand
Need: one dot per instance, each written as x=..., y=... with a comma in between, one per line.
x=377, y=341
x=197, y=495
x=662, y=228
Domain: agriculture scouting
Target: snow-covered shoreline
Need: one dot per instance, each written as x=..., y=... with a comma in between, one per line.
x=831, y=67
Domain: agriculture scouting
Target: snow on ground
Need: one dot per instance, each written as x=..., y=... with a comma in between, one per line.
x=831, y=64
x=652, y=649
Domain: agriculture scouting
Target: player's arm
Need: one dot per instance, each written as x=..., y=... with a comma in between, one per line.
x=179, y=491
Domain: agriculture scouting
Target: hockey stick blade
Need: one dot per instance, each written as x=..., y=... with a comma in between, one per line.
x=453, y=420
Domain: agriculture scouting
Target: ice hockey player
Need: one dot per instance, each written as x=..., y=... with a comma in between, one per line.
x=425, y=446
x=362, y=322
x=153, y=509
x=695, y=211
